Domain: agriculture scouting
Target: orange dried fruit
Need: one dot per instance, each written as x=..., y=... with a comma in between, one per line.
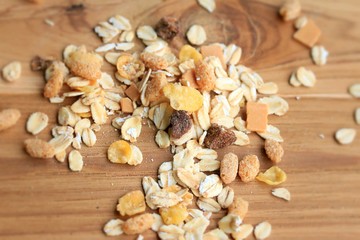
x=119, y=152
x=272, y=176
x=187, y=52
x=174, y=215
x=131, y=203
x=183, y=98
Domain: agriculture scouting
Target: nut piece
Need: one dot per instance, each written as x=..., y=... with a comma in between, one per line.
x=153, y=61
x=75, y=161
x=249, y=168
x=274, y=150
x=355, y=90
x=226, y=197
x=262, y=230
x=229, y=168
x=85, y=65
x=319, y=55
x=138, y=224
x=8, y=118
x=290, y=10
x=37, y=122
x=113, y=227
x=119, y=152
x=131, y=203
x=196, y=35
x=281, y=193
x=345, y=135
x=219, y=137
x=239, y=207
x=205, y=76
x=180, y=123
x=38, y=148
x=167, y=28
x=12, y=71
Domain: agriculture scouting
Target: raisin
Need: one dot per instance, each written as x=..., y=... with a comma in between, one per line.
x=167, y=28
x=219, y=137
x=180, y=122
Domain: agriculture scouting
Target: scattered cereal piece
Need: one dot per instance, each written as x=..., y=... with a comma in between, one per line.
x=226, y=197
x=308, y=34
x=180, y=122
x=208, y=204
x=12, y=71
x=249, y=168
x=167, y=28
x=75, y=161
x=8, y=118
x=113, y=227
x=38, y=148
x=306, y=77
x=272, y=176
x=126, y=105
x=133, y=92
x=136, y=157
x=119, y=152
x=256, y=119
x=229, y=168
x=214, y=50
x=37, y=122
x=281, y=193
x=262, y=230
x=357, y=116
x=290, y=10
x=354, y=90
x=196, y=35
x=128, y=67
x=146, y=33
x=215, y=234
x=230, y=223
x=274, y=150
x=239, y=207
x=131, y=203
x=243, y=231
x=319, y=55
x=86, y=65
x=174, y=215
x=205, y=76
x=219, y=137
x=183, y=98
x=162, y=139
x=209, y=5
x=300, y=22
x=345, y=135
x=188, y=52
x=138, y=224
x=88, y=137
x=153, y=61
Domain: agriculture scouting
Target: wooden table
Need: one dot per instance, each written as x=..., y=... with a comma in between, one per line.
x=44, y=200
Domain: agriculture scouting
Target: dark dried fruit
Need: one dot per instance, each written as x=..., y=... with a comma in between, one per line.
x=219, y=137
x=39, y=64
x=167, y=28
x=180, y=122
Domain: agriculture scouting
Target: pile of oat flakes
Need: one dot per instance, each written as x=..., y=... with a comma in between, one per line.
x=193, y=99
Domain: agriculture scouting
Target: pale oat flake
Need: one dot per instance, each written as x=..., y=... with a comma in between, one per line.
x=281, y=193
x=106, y=47
x=217, y=234
x=88, y=137
x=75, y=161
x=355, y=90
x=131, y=128
x=136, y=157
x=113, y=227
x=37, y=122
x=12, y=71
x=209, y=5
x=243, y=231
x=120, y=22
x=112, y=57
x=306, y=77
x=98, y=113
x=300, y=22
x=196, y=35
x=319, y=55
x=269, y=88
x=125, y=46
x=61, y=156
x=171, y=232
x=162, y=139
x=208, y=204
x=81, y=125
x=230, y=223
x=294, y=81
x=226, y=197
x=276, y=105
x=262, y=230
x=271, y=132
x=61, y=142
x=345, y=135
x=146, y=33
x=242, y=139
x=357, y=116
x=127, y=36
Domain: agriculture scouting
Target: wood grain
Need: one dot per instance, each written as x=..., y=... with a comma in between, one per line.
x=44, y=200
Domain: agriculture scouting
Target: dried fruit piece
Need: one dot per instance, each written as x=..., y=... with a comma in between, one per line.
x=85, y=65
x=229, y=168
x=272, y=176
x=12, y=71
x=183, y=98
x=249, y=168
x=126, y=105
x=113, y=227
x=167, y=28
x=274, y=150
x=187, y=52
x=196, y=35
x=345, y=135
x=8, y=118
x=38, y=148
x=262, y=230
x=119, y=152
x=319, y=55
x=243, y=231
x=174, y=215
x=239, y=207
x=154, y=88
x=37, y=122
x=205, y=77
x=138, y=224
x=209, y=5
x=131, y=203
x=308, y=34
x=128, y=67
x=219, y=137
x=354, y=90
x=256, y=116
x=153, y=61
x=226, y=197
x=75, y=161
x=281, y=193
x=180, y=123
x=290, y=10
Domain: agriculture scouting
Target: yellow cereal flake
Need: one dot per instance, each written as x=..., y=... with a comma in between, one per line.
x=174, y=215
x=183, y=98
x=272, y=176
x=187, y=52
x=131, y=203
x=119, y=152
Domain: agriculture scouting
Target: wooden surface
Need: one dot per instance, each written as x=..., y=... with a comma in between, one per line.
x=44, y=200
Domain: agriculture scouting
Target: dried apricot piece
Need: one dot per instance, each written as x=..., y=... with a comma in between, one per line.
x=119, y=152
x=128, y=67
x=131, y=203
x=187, y=52
x=272, y=176
x=183, y=98
x=174, y=215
